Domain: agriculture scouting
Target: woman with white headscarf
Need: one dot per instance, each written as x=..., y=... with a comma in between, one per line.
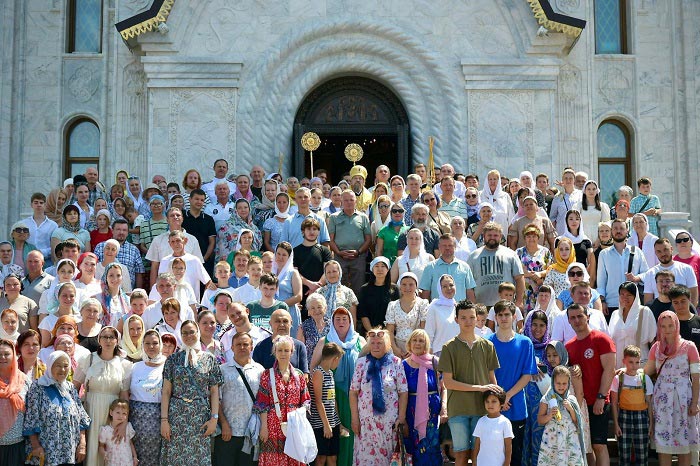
x=406, y=314
x=336, y=294
x=414, y=258
x=642, y=239
x=576, y=272
x=501, y=203
x=190, y=402
x=440, y=321
x=106, y=376
x=631, y=323
x=265, y=208
x=146, y=390
x=272, y=227
x=55, y=420
x=476, y=230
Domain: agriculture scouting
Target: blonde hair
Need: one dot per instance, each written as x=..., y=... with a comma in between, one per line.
x=415, y=333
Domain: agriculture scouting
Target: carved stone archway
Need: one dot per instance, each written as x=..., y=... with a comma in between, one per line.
x=358, y=109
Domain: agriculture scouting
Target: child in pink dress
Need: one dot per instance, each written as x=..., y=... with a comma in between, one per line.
x=118, y=453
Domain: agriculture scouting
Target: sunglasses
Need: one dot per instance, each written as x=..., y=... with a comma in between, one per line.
x=678, y=240
x=133, y=178
x=375, y=333
x=574, y=273
x=397, y=211
x=471, y=196
x=26, y=230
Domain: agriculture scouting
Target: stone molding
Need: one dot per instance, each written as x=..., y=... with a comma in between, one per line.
x=511, y=73
x=190, y=72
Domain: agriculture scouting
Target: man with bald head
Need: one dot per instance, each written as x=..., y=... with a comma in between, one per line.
x=95, y=188
x=257, y=181
x=281, y=324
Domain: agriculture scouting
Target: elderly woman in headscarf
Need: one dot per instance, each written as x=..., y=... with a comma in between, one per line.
x=106, y=376
x=378, y=401
x=631, y=323
x=265, y=208
x=676, y=393
x=132, y=338
x=343, y=333
x=536, y=328
x=476, y=230
x=227, y=236
x=14, y=385
x=336, y=294
x=70, y=228
x=273, y=226
x=65, y=326
x=190, y=402
x=413, y=259
x=145, y=390
x=575, y=273
x=115, y=303
x=501, y=203
x=642, y=239
x=55, y=420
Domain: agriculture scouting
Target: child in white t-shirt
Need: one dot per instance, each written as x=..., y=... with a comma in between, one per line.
x=493, y=434
x=506, y=291
x=481, y=329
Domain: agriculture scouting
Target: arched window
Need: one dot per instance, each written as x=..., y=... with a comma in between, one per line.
x=82, y=147
x=84, y=26
x=614, y=159
x=610, y=26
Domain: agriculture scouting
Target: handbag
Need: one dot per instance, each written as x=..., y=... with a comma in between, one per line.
x=399, y=457
x=283, y=425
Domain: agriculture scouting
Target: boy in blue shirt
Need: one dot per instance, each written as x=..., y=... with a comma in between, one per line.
x=517, y=356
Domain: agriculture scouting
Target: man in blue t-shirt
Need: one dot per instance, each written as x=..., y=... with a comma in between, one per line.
x=517, y=357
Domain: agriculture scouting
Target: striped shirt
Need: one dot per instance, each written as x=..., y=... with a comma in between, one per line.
x=328, y=401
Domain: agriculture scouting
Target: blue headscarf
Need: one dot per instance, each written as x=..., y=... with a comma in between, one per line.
x=346, y=367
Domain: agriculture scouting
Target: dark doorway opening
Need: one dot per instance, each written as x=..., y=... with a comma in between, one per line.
x=379, y=149
x=353, y=110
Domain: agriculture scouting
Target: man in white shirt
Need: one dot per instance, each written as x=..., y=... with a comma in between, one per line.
x=613, y=264
x=683, y=272
x=222, y=208
x=40, y=227
x=447, y=170
x=194, y=269
x=153, y=314
x=581, y=294
x=220, y=171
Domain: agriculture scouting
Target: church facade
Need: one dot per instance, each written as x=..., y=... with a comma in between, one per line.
x=609, y=87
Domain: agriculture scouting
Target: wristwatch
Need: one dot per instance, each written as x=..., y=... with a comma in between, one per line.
x=600, y=396
x=215, y=416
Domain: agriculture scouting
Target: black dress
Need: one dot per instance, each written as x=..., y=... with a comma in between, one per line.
x=91, y=343
x=373, y=301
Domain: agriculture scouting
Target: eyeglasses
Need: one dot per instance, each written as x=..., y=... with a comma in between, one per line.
x=574, y=273
x=384, y=206
x=397, y=211
x=189, y=333
x=21, y=230
x=678, y=240
x=471, y=196
x=376, y=333
x=107, y=337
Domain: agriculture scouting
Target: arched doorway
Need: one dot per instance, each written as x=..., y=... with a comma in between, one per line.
x=353, y=110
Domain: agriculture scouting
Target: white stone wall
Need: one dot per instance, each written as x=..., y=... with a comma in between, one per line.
x=228, y=78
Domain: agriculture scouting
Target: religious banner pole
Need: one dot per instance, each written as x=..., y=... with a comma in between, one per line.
x=310, y=141
x=431, y=162
x=279, y=168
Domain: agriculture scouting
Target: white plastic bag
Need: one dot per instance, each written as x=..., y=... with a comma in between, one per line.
x=301, y=442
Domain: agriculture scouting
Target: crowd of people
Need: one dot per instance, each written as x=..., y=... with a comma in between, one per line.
x=494, y=321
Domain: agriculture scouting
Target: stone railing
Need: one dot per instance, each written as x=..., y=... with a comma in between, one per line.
x=671, y=222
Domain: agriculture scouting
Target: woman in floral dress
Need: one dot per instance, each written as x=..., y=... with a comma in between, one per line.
x=227, y=236
x=406, y=314
x=378, y=400
x=290, y=386
x=676, y=392
x=191, y=379
x=535, y=258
